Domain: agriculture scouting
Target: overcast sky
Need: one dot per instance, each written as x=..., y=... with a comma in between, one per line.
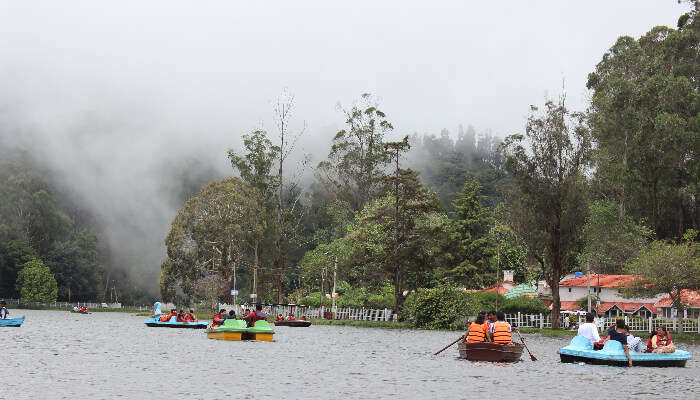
x=218, y=64
x=115, y=96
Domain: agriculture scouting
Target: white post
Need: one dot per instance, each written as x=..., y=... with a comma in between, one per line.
x=541, y=321
x=650, y=324
x=588, y=267
x=335, y=273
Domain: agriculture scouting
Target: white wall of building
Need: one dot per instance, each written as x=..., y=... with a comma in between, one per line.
x=575, y=293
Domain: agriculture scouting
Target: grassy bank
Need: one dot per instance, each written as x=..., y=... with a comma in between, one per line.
x=362, y=324
x=50, y=308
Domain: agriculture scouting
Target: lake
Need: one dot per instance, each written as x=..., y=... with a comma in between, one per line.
x=59, y=355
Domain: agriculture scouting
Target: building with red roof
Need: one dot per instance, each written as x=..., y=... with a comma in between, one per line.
x=606, y=289
x=689, y=298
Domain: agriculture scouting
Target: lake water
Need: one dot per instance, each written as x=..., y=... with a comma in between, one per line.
x=59, y=355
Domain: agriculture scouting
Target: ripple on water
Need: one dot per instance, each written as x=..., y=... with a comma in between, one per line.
x=114, y=355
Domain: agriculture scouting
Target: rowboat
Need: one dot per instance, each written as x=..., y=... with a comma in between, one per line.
x=155, y=321
x=581, y=350
x=12, y=321
x=490, y=351
x=237, y=329
x=294, y=323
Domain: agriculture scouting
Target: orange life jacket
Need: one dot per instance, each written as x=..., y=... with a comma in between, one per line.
x=476, y=333
x=501, y=332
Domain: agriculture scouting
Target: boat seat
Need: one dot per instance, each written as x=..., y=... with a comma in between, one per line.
x=613, y=347
x=582, y=343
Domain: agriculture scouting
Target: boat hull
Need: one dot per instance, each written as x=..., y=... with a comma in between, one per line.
x=238, y=336
x=236, y=330
x=299, y=324
x=12, y=322
x=581, y=350
x=490, y=352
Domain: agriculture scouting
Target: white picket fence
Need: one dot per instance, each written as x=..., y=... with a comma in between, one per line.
x=636, y=324
x=65, y=304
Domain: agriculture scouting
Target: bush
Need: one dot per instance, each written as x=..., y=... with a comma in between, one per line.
x=356, y=298
x=445, y=307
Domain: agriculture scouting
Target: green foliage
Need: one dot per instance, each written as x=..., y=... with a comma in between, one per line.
x=360, y=297
x=666, y=268
x=13, y=256
x=36, y=283
x=609, y=243
x=446, y=307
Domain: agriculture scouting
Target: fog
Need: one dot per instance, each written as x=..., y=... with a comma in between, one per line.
x=120, y=99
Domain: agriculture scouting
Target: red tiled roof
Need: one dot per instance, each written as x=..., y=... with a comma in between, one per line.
x=609, y=281
x=691, y=298
x=605, y=306
x=493, y=288
x=627, y=307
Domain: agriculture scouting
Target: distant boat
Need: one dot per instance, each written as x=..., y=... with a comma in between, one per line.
x=155, y=321
x=12, y=321
x=237, y=329
x=295, y=323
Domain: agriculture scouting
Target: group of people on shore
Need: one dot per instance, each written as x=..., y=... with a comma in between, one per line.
x=181, y=316
x=659, y=340
x=490, y=327
x=249, y=316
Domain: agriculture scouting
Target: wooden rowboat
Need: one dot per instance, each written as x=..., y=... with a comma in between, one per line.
x=297, y=323
x=490, y=351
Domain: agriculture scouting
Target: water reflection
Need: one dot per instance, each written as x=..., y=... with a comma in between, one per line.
x=57, y=355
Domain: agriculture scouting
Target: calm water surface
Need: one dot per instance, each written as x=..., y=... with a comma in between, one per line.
x=59, y=355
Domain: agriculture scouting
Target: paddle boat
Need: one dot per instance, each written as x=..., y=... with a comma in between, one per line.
x=155, y=321
x=581, y=350
x=16, y=322
x=493, y=352
x=237, y=329
x=295, y=323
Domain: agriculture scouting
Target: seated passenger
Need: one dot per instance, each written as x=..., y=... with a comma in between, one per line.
x=290, y=317
x=303, y=318
x=279, y=317
x=634, y=343
x=661, y=342
x=255, y=316
x=190, y=317
x=219, y=318
x=76, y=309
x=181, y=316
x=502, y=330
x=618, y=333
x=231, y=315
x=166, y=318
x=478, y=331
x=3, y=310
x=589, y=330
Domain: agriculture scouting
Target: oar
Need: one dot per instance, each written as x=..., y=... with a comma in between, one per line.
x=528, y=350
x=446, y=347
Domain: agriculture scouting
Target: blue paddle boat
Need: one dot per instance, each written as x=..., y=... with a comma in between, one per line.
x=581, y=350
x=12, y=321
x=172, y=323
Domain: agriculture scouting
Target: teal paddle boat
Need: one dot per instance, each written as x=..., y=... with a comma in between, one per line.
x=16, y=322
x=155, y=321
x=237, y=329
x=581, y=350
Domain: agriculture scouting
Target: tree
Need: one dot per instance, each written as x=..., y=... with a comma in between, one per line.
x=13, y=257
x=645, y=118
x=399, y=235
x=356, y=157
x=223, y=224
x=667, y=268
x=470, y=233
x=36, y=283
x=611, y=241
x=549, y=208
x=211, y=287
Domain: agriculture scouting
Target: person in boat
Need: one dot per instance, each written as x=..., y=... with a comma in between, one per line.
x=255, y=316
x=181, y=316
x=3, y=310
x=231, y=315
x=633, y=342
x=76, y=309
x=303, y=318
x=589, y=329
x=189, y=316
x=279, y=317
x=490, y=319
x=478, y=331
x=166, y=318
x=617, y=332
x=502, y=331
x=290, y=317
x=219, y=318
x=661, y=342
x=83, y=309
